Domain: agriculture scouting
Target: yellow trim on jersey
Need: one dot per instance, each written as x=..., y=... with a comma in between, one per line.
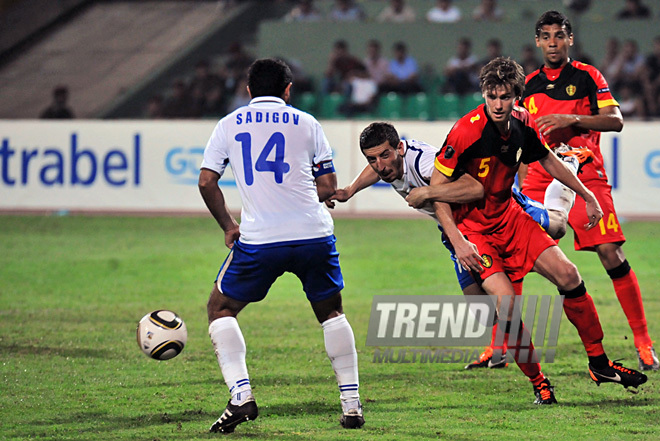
x=443, y=169
x=605, y=103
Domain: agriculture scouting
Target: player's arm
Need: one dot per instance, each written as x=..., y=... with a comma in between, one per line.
x=326, y=185
x=215, y=201
x=366, y=178
x=461, y=191
x=522, y=174
x=465, y=251
x=608, y=119
x=558, y=170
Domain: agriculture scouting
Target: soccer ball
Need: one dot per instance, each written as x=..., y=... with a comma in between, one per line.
x=161, y=334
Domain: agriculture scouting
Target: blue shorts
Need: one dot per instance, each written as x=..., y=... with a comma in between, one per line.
x=249, y=271
x=464, y=277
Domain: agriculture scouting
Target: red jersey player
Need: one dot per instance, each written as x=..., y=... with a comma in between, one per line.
x=571, y=103
x=493, y=237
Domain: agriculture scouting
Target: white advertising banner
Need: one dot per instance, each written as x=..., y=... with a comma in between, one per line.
x=152, y=166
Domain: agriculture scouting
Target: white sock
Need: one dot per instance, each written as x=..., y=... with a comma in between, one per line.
x=230, y=349
x=559, y=197
x=340, y=347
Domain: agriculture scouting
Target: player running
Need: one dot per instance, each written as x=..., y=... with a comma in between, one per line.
x=571, y=103
x=493, y=237
x=282, y=164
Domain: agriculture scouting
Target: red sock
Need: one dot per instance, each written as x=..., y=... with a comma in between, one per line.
x=581, y=312
x=517, y=288
x=630, y=297
x=525, y=358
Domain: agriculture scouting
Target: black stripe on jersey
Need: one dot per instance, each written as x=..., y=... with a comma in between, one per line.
x=417, y=159
x=573, y=84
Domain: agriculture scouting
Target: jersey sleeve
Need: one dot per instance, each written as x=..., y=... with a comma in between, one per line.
x=216, y=153
x=604, y=96
x=426, y=162
x=446, y=161
x=322, y=150
x=537, y=146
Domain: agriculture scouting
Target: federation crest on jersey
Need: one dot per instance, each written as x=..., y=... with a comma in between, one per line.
x=488, y=261
x=570, y=90
x=449, y=152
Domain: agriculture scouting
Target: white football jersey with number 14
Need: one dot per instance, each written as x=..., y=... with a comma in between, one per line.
x=272, y=148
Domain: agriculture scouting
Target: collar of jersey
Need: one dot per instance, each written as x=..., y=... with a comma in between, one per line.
x=267, y=99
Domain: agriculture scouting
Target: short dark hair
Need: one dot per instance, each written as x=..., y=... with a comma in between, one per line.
x=502, y=71
x=549, y=18
x=377, y=133
x=268, y=77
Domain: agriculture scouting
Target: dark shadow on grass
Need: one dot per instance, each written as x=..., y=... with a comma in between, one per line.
x=14, y=349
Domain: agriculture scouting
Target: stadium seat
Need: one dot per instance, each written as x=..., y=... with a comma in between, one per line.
x=469, y=102
x=390, y=106
x=418, y=106
x=330, y=106
x=306, y=102
x=446, y=106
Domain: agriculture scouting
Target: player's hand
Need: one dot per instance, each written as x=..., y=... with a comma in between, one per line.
x=594, y=213
x=550, y=123
x=417, y=197
x=341, y=195
x=232, y=236
x=468, y=256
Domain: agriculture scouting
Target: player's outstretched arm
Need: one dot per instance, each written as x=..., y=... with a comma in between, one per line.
x=461, y=191
x=466, y=252
x=609, y=119
x=366, y=178
x=558, y=170
x=215, y=201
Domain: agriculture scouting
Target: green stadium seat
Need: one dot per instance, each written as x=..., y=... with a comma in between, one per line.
x=390, y=106
x=446, y=106
x=469, y=102
x=330, y=106
x=306, y=102
x=418, y=106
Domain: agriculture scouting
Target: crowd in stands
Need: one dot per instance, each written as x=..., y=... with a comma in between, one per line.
x=215, y=90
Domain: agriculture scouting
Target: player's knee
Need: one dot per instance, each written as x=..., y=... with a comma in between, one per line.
x=568, y=276
x=558, y=221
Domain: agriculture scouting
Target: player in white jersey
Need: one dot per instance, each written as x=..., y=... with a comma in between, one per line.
x=282, y=163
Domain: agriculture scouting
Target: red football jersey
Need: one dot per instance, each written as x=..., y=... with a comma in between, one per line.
x=474, y=146
x=576, y=89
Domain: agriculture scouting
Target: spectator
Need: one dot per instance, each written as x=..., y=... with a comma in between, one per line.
x=207, y=90
x=634, y=9
x=377, y=65
x=236, y=65
x=606, y=64
x=630, y=102
x=397, y=12
x=179, y=104
x=58, y=108
x=488, y=10
x=304, y=11
x=628, y=67
x=493, y=50
x=528, y=59
x=462, y=71
x=444, y=12
x=301, y=81
x=340, y=65
x=154, y=108
x=362, y=93
x=404, y=71
x=241, y=97
x=580, y=55
x=346, y=10
x=651, y=79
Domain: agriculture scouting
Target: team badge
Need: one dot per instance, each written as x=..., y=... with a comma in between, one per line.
x=449, y=152
x=488, y=261
x=570, y=90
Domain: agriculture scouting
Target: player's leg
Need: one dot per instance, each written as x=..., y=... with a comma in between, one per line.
x=581, y=312
x=552, y=220
x=499, y=286
x=606, y=239
x=629, y=295
x=317, y=267
x=243, y=278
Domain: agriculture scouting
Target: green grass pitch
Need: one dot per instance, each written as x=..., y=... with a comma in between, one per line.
x=73, y=288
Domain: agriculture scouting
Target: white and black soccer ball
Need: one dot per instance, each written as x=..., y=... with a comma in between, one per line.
x=162, y=334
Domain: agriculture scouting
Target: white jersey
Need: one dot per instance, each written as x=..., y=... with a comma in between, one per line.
x=272, y=148
x=418, y=165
